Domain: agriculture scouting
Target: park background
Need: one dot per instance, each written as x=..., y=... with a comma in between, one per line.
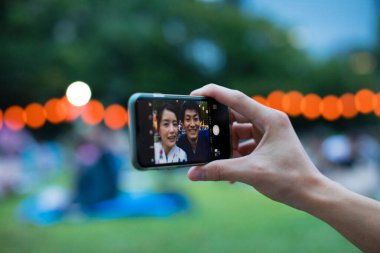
x=273, y=50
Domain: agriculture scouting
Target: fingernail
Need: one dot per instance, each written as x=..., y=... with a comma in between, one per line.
x=196, y=174
x=195, y=91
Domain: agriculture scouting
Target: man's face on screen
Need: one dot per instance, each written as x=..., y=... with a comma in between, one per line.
x=191, y=124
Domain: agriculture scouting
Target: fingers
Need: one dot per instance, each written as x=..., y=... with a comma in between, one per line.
x=240, y=132
x=220, y=170
x=247, y=147
x=237, y=117
x=244, y=131
x=236, y=100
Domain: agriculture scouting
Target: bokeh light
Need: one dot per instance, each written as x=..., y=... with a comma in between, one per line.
x=291, y=103
x=1, y=119
x=275, y=100
x=35, y=115
x=116, y=117
x=348, y=103
x=56, y=111
x=78, y=93
x=14, y=118
x=73, y=112
x=363, y=63
x=377, y=104
x=93, y=112
x=310, y=106
x=260, y=99
x=365, y=101
x=331, y=108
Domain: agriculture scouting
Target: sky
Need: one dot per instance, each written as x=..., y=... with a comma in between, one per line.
x=322, y=27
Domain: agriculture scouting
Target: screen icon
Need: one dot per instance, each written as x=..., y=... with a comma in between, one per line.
x=215, y=130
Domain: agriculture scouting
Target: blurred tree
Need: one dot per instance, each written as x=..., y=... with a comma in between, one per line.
x=120, y=47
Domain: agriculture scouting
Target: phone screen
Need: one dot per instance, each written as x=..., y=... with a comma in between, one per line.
x=178, y=131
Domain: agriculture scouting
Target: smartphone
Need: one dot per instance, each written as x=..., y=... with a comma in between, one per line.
x=171, y=131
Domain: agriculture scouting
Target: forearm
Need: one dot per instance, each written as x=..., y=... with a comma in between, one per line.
x=354, y=216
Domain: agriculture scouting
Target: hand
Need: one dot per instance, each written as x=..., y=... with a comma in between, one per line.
x=272, y=159
x=267, y=153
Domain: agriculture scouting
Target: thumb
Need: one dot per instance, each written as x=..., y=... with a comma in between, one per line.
x=220, y=170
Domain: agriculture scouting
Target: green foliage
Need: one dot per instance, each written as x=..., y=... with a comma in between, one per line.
x=121, y=47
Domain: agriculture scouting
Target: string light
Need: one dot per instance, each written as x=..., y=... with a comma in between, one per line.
x=377, y=105
x=275, y=100
x=116, y=117
x=1, y=119
x=310, y=106
x=349, y=109
x=260, y=99
x=93, y=113
x=331, y=108
x=295, y=104
x=56, y=111
x=291, y=103
x=35, y=115
x=365, y=101
x=14, y=118
x=78, y=93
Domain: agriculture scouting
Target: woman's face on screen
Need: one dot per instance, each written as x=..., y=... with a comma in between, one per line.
x=168, y=129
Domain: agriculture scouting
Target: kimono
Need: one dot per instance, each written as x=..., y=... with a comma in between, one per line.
x=176, y=154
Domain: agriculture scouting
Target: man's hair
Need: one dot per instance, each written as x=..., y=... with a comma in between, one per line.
x=190, y=105
x=169, y=107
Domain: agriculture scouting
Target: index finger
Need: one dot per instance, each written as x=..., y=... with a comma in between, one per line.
x=238, y=101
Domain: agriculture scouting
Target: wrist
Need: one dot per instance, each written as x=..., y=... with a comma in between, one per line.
x=317, y=194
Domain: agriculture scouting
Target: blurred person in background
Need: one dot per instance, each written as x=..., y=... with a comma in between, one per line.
x=274, y=162
x=351, y=160
x=97, y=170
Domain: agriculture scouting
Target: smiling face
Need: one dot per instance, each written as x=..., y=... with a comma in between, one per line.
x=168, y=129
x=191, y=123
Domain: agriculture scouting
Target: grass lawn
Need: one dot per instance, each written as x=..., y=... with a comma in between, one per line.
x=224, y=218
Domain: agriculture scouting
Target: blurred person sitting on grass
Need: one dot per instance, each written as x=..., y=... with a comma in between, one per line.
x=272, y=160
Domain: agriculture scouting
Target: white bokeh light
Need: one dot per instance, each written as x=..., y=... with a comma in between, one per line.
x=78, y=93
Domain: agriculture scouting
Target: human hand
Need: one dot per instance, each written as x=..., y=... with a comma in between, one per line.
x=267, y=153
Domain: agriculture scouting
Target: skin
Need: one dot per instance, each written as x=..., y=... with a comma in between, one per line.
x=168, y=130
x=191, y=124
x=273, y=161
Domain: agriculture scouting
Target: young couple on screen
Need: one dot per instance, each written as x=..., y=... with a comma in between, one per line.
x=193, y=146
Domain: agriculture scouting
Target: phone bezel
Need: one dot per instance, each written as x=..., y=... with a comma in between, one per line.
x=133, y=131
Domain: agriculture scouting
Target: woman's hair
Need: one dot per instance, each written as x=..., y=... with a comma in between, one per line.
x=166, y=106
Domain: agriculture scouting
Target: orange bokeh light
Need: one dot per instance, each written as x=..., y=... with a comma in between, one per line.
x=310, y=106
x=275, y=100
x=260, y=99
x=14, y=118
x=331, y=108
x=348, y=103
x=116, y=117
x=365, y=101
x=56, y=111
x=292, y=103
x=35, y=115
x=73, y=112
x=93, y=112
x=1, y=119
x=377, y=104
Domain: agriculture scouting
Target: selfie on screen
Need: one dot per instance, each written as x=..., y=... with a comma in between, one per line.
x=181, y=131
